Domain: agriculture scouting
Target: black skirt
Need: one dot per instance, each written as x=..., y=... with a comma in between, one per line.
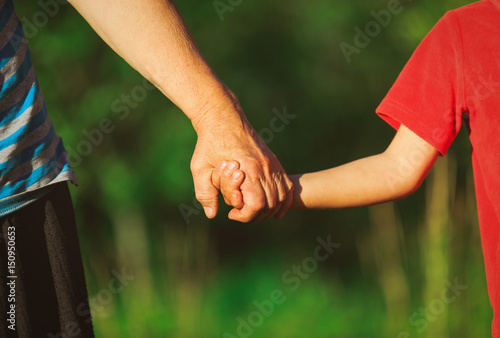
x=42, y=283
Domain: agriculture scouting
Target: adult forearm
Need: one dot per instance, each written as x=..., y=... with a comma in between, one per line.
x=152, y=36
x=154, y=39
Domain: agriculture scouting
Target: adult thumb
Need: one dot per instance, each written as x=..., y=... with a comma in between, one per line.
x=206, y=193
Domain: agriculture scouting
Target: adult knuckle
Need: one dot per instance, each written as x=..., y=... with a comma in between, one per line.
x=282, y=197
x=194, y=166
x=272, y=204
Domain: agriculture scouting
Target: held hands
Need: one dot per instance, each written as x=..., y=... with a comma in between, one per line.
x=262, y=191
x=229, y=178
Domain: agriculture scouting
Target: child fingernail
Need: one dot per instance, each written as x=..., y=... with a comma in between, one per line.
x=223, y=165
x=232, y=166
x=236, y=175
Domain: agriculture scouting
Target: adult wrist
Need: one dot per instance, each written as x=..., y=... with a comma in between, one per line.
x=219, y=109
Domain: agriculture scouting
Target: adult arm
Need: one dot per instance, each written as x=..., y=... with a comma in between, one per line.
x=153, y=38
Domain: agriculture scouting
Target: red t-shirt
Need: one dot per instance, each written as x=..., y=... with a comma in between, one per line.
x=454, y=76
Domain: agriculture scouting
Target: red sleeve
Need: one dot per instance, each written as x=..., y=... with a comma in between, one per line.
x=428, y=96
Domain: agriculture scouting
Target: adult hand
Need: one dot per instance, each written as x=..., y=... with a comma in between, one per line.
x=224, y=134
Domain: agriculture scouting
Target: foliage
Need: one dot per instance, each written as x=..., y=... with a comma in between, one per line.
x=195, y=279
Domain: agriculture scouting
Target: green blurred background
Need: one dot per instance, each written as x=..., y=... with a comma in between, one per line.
x=198, y=278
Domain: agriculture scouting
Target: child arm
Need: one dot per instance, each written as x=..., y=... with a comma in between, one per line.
x=394, y=174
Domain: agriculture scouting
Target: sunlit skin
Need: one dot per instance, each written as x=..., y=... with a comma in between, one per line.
x=394, y=174
x=153, y=38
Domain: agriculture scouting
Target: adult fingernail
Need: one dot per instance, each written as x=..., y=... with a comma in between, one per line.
x=232, y=166
x=209, y=212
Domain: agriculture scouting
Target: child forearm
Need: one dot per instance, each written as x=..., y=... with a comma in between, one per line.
x=389, y=176
x=354, y=184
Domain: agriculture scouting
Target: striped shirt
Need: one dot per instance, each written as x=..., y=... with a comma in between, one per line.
x=32, y=156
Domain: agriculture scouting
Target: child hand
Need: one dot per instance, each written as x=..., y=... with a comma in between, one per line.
x=230, y=181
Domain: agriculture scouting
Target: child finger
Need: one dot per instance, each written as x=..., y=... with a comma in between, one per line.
x=234, y=187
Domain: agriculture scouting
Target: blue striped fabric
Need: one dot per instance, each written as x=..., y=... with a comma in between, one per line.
x=32, y=156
